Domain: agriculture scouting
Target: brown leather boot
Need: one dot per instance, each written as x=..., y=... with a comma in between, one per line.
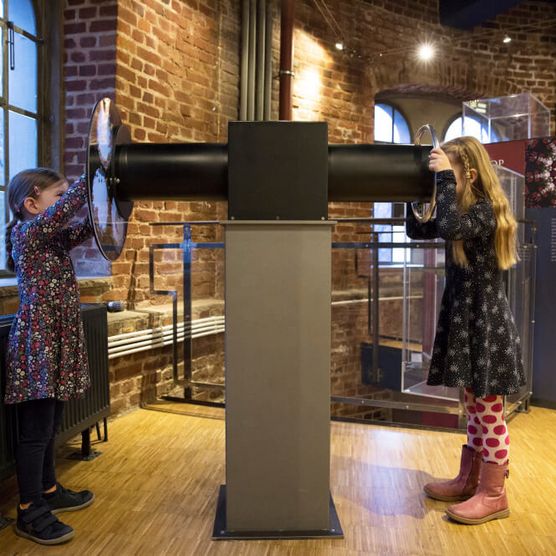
x=489, y=502
x=464, y=485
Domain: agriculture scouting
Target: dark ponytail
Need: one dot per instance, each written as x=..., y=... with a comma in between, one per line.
x=9, y=259
x=27, y=183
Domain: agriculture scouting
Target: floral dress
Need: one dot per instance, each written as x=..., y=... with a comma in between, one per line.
x=47, y=356
x=476, y=344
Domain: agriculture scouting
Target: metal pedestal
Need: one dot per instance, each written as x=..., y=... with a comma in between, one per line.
x=278, y=280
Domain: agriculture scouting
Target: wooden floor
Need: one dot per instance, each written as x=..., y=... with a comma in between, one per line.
x=157, y=480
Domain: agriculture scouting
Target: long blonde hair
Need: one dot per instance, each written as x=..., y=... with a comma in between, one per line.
x=469, y=152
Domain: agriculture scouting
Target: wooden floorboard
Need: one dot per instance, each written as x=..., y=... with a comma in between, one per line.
x=157, y=480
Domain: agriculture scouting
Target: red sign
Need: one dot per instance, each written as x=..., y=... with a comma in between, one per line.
x=510, y=154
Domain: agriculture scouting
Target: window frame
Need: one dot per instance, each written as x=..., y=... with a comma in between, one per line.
x=49, y=115
x=393, y=229
x=395, y=108
x=449, y=124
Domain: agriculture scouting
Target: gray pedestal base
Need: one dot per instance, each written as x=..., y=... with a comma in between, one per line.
x=278, y=327
x=220, y=532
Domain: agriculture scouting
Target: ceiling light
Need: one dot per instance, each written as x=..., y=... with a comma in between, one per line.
x=339, y=45
x=507, y=39
x=426, y=52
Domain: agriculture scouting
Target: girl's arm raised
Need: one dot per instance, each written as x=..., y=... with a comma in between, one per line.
x=419, y=230
x=49, y=223
x=75, y=235
x=478, y=221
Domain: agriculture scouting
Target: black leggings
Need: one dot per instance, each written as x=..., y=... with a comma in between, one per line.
x=38, y=423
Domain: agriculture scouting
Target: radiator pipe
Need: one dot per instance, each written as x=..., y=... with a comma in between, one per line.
x=268, y=64
x=252, y=60
x=134, y=342
x=244, y=59
x=286, y=59
x=160, y=343
x=165, y=331
x=261, y=37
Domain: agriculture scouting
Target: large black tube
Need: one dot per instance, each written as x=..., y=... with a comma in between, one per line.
x=379, y=173
x=185, y=172
x=199, y=171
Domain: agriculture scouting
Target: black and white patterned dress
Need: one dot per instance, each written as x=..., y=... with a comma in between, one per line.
x=476, y=344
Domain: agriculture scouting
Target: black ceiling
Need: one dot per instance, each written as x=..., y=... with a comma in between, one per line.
x=465, y=14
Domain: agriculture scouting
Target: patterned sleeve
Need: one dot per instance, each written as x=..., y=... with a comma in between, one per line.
x=49, y=223
x=478, y=221
x=72, y=236
x=419, y=230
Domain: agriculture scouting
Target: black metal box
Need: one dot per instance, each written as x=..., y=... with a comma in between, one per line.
x=278, y=170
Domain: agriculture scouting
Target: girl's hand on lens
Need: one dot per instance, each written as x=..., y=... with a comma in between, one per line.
x=438, y=161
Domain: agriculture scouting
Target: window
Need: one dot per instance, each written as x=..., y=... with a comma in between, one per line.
x=391, y=127
x=473, y=127
x=389, y=233
x=20, y=109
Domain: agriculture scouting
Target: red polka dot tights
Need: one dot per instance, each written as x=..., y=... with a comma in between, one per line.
x=486, y=427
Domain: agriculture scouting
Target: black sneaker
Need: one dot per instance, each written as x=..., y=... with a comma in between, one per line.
x=38, y=524
x=66, y=500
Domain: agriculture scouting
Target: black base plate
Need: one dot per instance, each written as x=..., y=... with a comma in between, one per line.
x=220, y=533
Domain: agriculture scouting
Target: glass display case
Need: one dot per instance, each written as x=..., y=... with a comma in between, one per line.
x=383, y=329
x=520, y=280
x=506, y=118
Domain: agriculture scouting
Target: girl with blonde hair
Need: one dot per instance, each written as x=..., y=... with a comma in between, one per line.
x=476, y=345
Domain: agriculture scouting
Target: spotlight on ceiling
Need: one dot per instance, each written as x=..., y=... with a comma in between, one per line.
x=426, y=52
x=339, y=45
x=507, y=39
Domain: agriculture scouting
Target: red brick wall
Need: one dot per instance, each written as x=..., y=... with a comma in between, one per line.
x=89, y=74
x=176, y=81
x=465, y=67
x=89, y=70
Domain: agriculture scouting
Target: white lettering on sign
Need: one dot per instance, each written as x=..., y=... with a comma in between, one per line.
x=499, y=162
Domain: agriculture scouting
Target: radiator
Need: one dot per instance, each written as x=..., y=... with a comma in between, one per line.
x=7, y=425
x=80, y=414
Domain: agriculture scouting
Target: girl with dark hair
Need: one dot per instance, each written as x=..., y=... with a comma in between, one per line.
x=46, y=358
